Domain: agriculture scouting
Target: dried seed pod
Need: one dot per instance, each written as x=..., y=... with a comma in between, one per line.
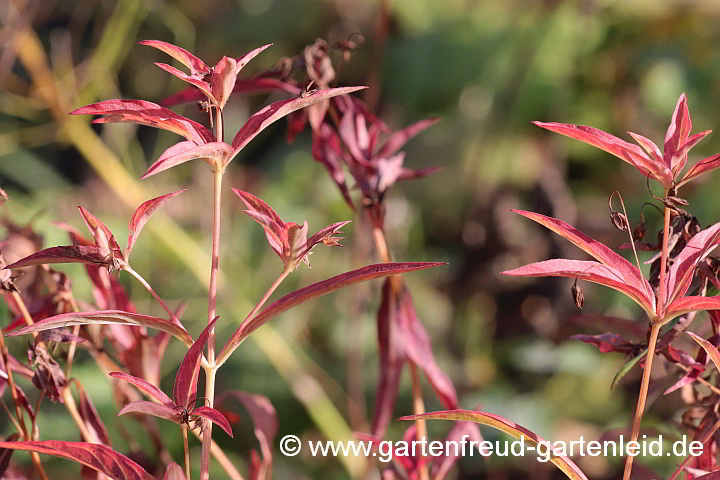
x=578, y=295
x=620, y=221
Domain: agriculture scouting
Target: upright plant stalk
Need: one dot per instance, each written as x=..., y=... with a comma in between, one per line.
x=654, y=331
x=418, y=403
x=211, y=368
x=186, y=447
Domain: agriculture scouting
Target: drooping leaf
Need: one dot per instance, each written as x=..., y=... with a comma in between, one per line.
x=193, y=63
x=712, y=352
x=213, y=153
x=63, y=254
x=145, y=407
x=606, y=342
x=145, y=386
x=315, y=290
x=107, y=317
x=275, y=111
x=143, y=214
x=98, y=457
x=214, y=416
x=261, y=412
x=511, y=428
x=147, y=113
x=187, y=375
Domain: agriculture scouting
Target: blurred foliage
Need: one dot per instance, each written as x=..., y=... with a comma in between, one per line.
x=488, y=68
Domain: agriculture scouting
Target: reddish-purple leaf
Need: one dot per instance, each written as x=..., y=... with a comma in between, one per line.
x=63, y=254
x=147, y=387
x=649, y=146
x=145, y=407
x=327, y=149
x=147, y=113
x=271, y=222
x=691, y=304
x=213, y=153
x=678, y=132
x=511, y=428
x=214, y=416
x=194, y=80
x=90, y=415
x=712, y=352
x=628, y=152
x=261, y=412
x=187, y=375
x=625, y=270
x=315, y=290
x=606, y=342
x=679, y=158
x=398, y=139
x=256, y=85
x=223, y=80
x=143, y=214
x=461, y=432
x=240, y=62
x=6, y=453
x=683, y=268
x=98, y=457
x=702, y=167
x=585, y=270
x=193, y=63
x=174, y=472
x=107, y=317
x=275, y=111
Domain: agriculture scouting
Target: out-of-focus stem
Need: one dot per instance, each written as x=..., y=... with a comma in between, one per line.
x=703, y=440
x=152, y=291
x=187, y=451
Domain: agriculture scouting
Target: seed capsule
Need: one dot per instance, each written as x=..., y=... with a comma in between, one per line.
x=578, y=295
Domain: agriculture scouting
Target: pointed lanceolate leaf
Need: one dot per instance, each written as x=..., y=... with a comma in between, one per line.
x=194, y=80
x=63, y=254
x=585, y=270
x=255, y=85
x=271, y=222
x=98, y=457
x=223, y=80
x=691, y=304
x=193, y=63
x=213, y=153
x=702, y=167
x=712, y=352
x=679, y=158
x=315, y=290
x=511, y=428
x=398, y=139
x=143, y=214
x=106, y=317
x=678, y=131
x=683, y=268
x=187, y=375
x=240, y=62
x=145, y=407
x=215, y=417
x=147, y=387
x=275, y=111
x=628, y=152
x=146, y=113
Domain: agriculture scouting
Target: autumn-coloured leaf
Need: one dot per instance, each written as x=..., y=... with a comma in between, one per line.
x=142, y=215
x=107, y=317
x=678, y=132
x=702, y=167
x=174, y=472
x=513, y=429
x=63, y=254
x=691, y=304
x=194, y=64
x=275, y=111
x=213, y=153
x=255, y=85
x=399, y=138
x=263, y=416
x=315, y=290
x=144, y=407
x=187, y=375
x=606, y=342
x=6, y=453
x=147, y=113
x=90, y=415
x=712, y=352
x=98, y=457
x=195, y=80
x=683, y=268
x=214, y=416
x=145, y=386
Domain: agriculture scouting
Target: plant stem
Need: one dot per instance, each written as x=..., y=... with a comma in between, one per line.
x=703, y=440
x=187, y=451
x=147, y=286
x=654, y=331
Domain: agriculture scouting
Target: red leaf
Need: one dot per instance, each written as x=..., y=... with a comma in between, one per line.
x=712, y=352
x=691, y=304
x=398, y=139
x=213, y=153
x=679, y=159
x=256, y=85
x=511, y=428
x=214, y=416
x=702, y=167
x=677, y=133
x=63, y=254
x=628, y=152
x=195, y=80
x=147, y=387
x=187, y=375
x=261, y=412
x=607, y=342
x=90, y=415
x=315, y=290
x=683, y=268
x=98, y=457
x=240, y=62
x=193, y=63
x=327, y=149
x=106, y=317
x=585, y=270
x=223, y=80
x=145, y=407
x=275, y=111
x=461, y=432
x=271, y=222
x=147, y=113
x=143, y=214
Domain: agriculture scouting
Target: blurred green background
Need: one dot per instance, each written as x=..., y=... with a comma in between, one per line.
x=487, y=68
